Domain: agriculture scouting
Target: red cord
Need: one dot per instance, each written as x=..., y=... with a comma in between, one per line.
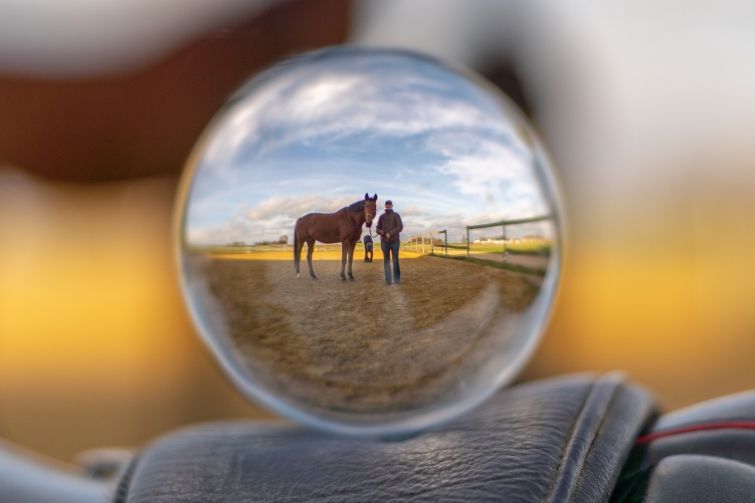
x=723, y=425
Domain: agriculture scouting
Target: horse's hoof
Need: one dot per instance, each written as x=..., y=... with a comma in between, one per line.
x=298, y=275
x=313, y=276
x=351, y=278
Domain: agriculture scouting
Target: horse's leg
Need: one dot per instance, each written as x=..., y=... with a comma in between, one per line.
x=352, y=245
x=310, y=250
x=344, y=252
x=297, y=254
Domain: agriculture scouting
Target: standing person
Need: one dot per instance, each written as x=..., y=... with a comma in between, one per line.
x=367, y=248
x=388, y=227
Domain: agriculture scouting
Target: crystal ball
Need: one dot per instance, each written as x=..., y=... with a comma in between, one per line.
x=368, y=240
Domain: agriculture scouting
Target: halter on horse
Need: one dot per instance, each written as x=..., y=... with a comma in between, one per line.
x=344, y=226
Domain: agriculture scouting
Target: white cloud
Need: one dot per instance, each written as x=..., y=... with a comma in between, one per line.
x=267, y=220
x=473, y=165
x=497, y=173
x=326, y=104
x=294, y=207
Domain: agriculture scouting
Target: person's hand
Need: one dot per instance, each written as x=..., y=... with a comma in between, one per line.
x=388, y=235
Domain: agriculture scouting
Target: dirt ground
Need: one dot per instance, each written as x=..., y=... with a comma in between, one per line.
x=534, y=262
x=362, y=345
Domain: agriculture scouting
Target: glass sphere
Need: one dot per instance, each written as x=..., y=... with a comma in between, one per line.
x=329, y=305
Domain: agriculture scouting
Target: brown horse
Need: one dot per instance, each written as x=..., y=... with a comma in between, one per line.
x=344, y=226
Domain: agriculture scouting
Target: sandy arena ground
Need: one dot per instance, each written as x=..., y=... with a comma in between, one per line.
x=363, y=345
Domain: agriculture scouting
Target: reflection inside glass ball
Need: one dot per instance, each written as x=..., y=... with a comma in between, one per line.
x=368, y=240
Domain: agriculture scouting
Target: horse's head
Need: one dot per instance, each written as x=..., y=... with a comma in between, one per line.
x=370, y=208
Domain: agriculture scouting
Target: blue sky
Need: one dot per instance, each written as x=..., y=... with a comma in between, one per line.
x=317, y=132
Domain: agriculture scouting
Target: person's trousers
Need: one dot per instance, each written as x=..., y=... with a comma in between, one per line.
x=390, y=251
x=368, y=253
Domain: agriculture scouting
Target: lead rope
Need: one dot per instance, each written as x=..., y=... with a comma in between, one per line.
x=369, y=231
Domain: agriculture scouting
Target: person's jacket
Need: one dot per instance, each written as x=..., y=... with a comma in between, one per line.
x=390, y=223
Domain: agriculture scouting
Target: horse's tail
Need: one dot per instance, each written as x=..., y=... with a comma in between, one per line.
x=296, y=245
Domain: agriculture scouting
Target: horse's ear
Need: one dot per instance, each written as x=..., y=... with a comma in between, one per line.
x=366, y=196
x=375, y=198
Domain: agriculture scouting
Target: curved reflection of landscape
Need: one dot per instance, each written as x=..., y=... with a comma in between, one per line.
x=478, y=252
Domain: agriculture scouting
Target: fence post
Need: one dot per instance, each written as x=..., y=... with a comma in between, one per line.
x=503, y=234
x=503, y=224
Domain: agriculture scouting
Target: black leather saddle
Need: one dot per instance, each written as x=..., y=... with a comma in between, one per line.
x=574, y=439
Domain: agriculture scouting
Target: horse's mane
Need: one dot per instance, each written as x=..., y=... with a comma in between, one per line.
x=357, y=206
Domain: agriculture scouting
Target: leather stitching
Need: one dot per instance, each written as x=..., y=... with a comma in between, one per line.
x=582, y=436
x=551, y=489
x=120, y=494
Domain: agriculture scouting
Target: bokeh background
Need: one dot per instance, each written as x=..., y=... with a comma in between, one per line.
x=647, y=109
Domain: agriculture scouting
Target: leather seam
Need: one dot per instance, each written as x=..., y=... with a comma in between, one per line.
x=595, y=403
x=565, y=445
x=120, y=494
x=579, y=478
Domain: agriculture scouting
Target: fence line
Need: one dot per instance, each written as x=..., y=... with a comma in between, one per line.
x=510, y=222
x=503, y=224
x=500, y=223
x=420, y=244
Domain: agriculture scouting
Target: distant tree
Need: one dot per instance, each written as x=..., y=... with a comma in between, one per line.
x=283, y=239
x=238, y=243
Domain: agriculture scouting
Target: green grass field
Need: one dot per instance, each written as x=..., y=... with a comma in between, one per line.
x=333, y=251
x=286, y=252
x=523, y=246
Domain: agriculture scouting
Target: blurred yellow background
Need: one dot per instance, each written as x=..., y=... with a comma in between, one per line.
x=95, y=345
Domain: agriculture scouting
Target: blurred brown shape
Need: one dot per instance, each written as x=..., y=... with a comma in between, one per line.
x=145, y=123
x=96, y=346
